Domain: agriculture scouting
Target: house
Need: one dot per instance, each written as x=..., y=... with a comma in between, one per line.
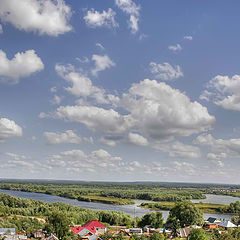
x=226, y=224
x=135, y=231
x=15, y=237
x=39, y=234
x=183, y=232
x=124, y=233
x=146, y=228
x=163, y=230
x=98, y=226
x=52, y=237
x=88, y=235
x=21, y=237
x=212, y=220
x=160, y=230
x=7, y=231
x=79, y=229
x=212, y=223
x=89, y=231
x=85, y=233
x=94, y=237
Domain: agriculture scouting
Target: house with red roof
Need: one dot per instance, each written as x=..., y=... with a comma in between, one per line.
x=89, y=229
x=98, y=226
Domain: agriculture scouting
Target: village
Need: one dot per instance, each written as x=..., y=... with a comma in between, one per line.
x=95, y=230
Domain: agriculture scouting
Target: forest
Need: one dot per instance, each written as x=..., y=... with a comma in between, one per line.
x=111, y=193
x=15, y=207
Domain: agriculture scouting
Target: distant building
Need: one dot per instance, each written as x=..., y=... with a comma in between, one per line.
x=135, y=231
x=7, y=231
x=52, y=237
x=212, y=223
x=15, y=237
x=148, y=229
x=226, y=224
x=183, y=232
x=39, y=234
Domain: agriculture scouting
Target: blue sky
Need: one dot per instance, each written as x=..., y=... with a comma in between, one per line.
x=120, y=90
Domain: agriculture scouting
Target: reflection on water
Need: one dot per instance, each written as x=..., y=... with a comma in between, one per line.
x=133, y=210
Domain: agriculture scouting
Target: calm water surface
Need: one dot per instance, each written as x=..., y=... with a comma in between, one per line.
x=218, y=199
x=133, y=210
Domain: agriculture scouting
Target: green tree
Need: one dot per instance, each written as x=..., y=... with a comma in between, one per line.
x=234, y=207
x=235, y=233
x=226, y=236
x=153, y=219
x=198, y=234
x=156, y=236
x=185, y=214
x=107, y=236
x=214, y=234
x=236, y=220
x=59, y=223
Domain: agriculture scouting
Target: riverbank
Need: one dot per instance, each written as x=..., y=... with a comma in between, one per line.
x=106, y=200
x=205, y=207
x=110, y=193
x=133, y=210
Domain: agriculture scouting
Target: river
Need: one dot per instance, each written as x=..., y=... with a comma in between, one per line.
x=133, y=209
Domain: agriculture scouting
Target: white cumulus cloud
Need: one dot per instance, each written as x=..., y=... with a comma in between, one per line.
x=68, y=136
x=100, y=46
x=56, y=100
x=137, y=139
x=175, y=48
x=224, y=91
x=23, y=64
x=96, y=19
x=151, y=108
x=165, y=71
x=220, y=148
x=95, y=118
x=81, y=85
x=41, y=16
x=178, y=149
x=101, y=63
x=188, y=37
x=98, y=160
x=162, y=111
x=132, y=9
x=9, y=128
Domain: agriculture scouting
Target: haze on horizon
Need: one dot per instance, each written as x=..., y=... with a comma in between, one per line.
x=121, y=90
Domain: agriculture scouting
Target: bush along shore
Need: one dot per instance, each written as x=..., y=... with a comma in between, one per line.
x=233, y=208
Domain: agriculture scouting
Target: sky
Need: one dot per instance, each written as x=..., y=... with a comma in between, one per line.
x=120, y=90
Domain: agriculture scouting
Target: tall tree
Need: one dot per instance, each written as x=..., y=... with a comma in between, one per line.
x=153, y=219
x=60, y=224
x=198, y=234
x=185, y=214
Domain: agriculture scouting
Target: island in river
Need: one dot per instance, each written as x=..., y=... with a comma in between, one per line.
x=154, y=196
